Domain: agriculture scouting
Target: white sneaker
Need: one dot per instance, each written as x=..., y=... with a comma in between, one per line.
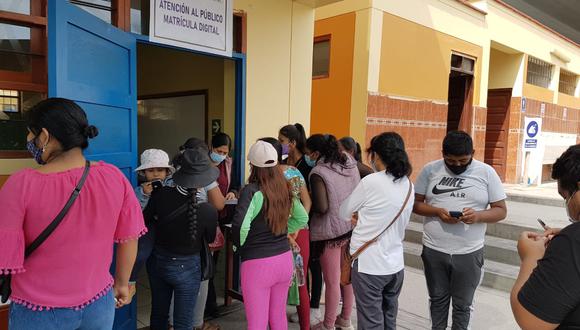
x=293, y=318
x=343, y=324
x=315, y=316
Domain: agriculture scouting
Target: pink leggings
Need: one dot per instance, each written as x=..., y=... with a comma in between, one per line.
x=265, y=284
x=330, y=262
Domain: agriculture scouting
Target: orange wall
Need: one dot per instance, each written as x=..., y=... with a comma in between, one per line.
x=331, y=96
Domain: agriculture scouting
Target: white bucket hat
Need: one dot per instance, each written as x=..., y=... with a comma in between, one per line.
x=155, y=158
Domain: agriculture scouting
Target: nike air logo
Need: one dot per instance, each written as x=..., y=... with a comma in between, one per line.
x=438, y=191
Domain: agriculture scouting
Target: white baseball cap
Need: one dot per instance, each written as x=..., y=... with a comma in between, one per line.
x=154, y=158
x=263, y=154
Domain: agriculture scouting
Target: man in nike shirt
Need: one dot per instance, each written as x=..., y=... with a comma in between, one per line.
x=453, y=194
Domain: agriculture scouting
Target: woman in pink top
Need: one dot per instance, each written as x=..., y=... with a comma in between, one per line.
x=65, y=283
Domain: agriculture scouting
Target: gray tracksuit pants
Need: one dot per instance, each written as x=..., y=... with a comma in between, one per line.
x=452, y=279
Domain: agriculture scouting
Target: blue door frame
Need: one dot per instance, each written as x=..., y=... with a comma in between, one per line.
x=240, y=103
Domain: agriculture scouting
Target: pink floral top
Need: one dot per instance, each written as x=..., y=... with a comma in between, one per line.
x=71, y=268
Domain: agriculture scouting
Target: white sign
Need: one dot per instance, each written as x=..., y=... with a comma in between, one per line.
x=202, y=25
x=532, y=130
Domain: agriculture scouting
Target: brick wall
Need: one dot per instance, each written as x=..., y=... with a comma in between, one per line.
x=422, y=124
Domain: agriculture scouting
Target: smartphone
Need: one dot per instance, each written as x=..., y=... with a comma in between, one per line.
x=456, y=214
x=543, y=224
x=156, y=184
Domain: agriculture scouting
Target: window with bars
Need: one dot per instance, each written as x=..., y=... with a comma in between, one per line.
x=462, y=64
x=568, y=81
x=9, y=101
x=14, y=105
x=539, y=72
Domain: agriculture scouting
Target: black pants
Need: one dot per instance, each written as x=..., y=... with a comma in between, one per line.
x=315, y=274
x=452, y=278
x=377, y=299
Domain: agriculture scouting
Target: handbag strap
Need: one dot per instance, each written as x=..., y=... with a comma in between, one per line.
x=60, y=216
x=368, y=244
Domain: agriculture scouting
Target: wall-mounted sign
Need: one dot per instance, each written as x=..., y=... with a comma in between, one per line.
x=533, y=128
x=202, y=25
x=524, y=104
x=216, y=126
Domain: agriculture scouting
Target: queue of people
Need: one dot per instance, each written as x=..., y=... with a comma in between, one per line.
x=311, y=216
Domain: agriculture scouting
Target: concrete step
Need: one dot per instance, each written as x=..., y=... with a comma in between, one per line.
x=496, y=248
x=497, y=275
x=506, y=229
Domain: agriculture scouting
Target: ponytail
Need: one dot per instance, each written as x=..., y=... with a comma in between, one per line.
x=390, y=148
x=358, y=153
x=192, y=209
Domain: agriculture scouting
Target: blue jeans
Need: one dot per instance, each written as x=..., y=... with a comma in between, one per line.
x=144, y=250
x=178, y=276
x=97, y=316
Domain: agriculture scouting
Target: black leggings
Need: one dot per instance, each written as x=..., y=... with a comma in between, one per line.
x=316, y=274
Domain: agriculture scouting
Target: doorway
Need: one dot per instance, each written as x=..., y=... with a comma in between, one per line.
x=180, y=95
x=496, y=137
x=460, y=94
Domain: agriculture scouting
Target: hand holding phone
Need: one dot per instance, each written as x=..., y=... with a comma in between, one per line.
x=156, y=184
x=543, y=224
x=456, y=214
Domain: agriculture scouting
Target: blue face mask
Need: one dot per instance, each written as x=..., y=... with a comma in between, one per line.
x=309, y=161
x=35, y=151
x=217, y=158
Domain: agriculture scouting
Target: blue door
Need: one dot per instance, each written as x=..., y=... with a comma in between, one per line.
x=94, y=64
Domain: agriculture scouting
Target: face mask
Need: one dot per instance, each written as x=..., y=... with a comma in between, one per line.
x=309, y=161
x=217, y=158
x=35, y=151
x=285, y=149
x=458, y=169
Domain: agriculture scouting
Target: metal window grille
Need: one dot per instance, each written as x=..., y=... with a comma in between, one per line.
x=568, y=81
x=539, y=72
x=462, y=64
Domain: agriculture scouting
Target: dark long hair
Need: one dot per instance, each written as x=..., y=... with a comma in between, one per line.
x=277, y=196
x=390, y=147
x=350, y=145
x=327, y=146
x=295, y=133
x=65, y=120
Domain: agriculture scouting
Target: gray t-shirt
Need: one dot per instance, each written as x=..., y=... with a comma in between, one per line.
x=475, y=188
